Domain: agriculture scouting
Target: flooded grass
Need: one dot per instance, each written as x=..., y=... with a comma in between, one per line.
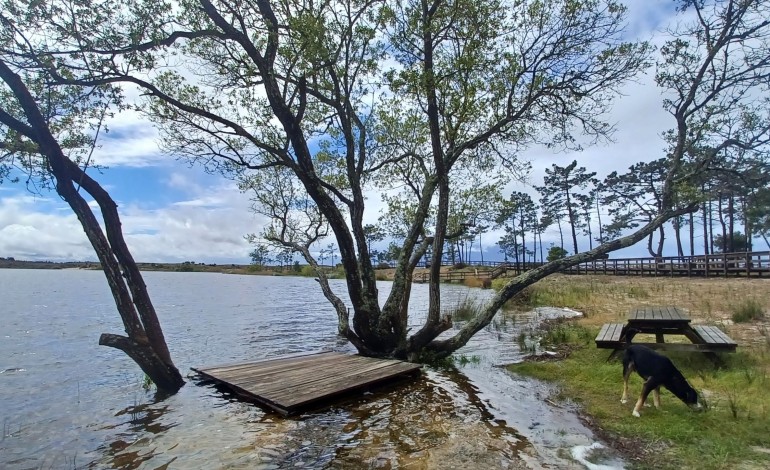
x=733, y=431
x=465, y=309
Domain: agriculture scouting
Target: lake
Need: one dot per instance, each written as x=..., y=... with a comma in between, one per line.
x=70, y=403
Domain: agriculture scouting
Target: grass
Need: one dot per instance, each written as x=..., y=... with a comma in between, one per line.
x=723, y=436
x=747, y=310
x=465, y=309
x=734, y=431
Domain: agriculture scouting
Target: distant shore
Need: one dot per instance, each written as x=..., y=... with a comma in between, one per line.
x=187, y=266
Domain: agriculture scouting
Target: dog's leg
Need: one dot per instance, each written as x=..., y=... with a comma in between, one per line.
x=627, y=370
x=649, y=385
x=656, y=397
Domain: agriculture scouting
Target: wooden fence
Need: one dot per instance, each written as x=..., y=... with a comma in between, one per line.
x=751, y=264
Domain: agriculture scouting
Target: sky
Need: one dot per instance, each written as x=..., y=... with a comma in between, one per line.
x=172, y=212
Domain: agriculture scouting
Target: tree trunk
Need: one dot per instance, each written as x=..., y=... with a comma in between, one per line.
x=692, y=234
x=706, y=207
x=711, y=227
x=145, y=343
x=649, y=244
x=599, y=219
x=661, y=239
x=481, y=250
x=572, y=222
x=721, y=213
x=747, y=225
x=540, y=237
x=676, y=221
x=731, y=222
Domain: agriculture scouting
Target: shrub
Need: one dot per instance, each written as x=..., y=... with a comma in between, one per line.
x=307, y=271
x=747, y=310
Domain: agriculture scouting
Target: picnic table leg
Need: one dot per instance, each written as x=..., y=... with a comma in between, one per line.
x=693, y=336
x=626, y=332
x=714, y=358
x=612, y=354
x=659, y=338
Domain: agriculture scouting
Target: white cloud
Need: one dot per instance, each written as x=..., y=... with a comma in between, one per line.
x=131, y=141
x=28, y=230
x=180, y=231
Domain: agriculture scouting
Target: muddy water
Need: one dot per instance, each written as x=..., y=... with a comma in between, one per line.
x=69, y=403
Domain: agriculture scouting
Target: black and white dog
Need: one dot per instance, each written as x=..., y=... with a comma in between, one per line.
x=656, y=370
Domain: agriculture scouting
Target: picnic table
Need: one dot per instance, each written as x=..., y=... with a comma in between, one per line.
x=664, y=321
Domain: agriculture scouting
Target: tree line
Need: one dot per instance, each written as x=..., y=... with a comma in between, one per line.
x=311, y=106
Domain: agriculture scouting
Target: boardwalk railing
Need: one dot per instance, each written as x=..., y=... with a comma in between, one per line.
x=746, y=264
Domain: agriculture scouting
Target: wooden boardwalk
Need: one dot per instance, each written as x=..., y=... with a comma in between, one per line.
x=292, y=384
x=743, y=264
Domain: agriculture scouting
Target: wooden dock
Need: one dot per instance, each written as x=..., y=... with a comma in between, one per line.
x=292, y=384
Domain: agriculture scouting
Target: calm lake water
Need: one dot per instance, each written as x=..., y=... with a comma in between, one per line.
x=69, y=403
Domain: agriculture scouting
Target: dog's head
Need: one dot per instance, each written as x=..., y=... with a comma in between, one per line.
x=684, y=391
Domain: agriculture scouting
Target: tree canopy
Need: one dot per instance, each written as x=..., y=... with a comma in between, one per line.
x=309, y=105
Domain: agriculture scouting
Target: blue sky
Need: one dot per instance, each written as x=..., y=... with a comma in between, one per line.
x=172, y=212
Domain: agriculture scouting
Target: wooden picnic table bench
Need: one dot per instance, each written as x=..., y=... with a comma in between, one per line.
x=662, y=321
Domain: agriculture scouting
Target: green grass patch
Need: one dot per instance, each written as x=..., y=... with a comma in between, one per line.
x=465, y=309
x=564, y=332
x=723, y=436
x=748, y=310
x=570, y=296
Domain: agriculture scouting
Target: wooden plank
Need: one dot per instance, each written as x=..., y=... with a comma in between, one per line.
x=289, y=384
x=706, y=334
x=271, y=375
x=618, y=331
x=325, y=389
x=723, y=336
x=686, y=347
x=610, y=333
x=266, y=370
x=279, y=365
x=306, y=377
x=603, y=332
x=274, y=361
x=713, y=335
x=671, y=313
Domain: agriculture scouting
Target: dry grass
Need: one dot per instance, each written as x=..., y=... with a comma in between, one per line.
x=707, y=301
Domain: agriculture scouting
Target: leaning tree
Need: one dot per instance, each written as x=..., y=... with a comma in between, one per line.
x=48, y=133
x=326, y=100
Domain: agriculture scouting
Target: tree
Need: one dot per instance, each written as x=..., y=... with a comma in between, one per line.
x=373, y=234
x=556, y=253
x=344, y=96
x=758, y=213
x=635, y=197
x=45, y=132
x=713, y=73
x=260, y=256
x=561, y=187
x=739, y=243
x=519, y=216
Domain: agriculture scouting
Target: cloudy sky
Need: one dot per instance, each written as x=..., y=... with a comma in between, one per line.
x=172, y=212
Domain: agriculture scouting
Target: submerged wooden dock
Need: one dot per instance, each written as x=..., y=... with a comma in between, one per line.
x=291, y=384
